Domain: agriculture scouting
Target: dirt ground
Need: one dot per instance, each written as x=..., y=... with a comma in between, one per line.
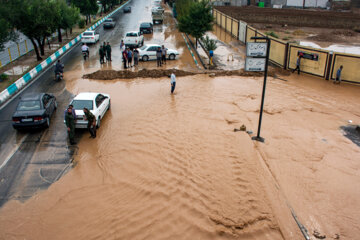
x=294, y=17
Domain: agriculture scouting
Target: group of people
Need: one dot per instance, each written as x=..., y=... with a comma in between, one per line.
x=161, y=56
x=105, y=53
x=70, y=122
x=128, y=55
x=338, y=72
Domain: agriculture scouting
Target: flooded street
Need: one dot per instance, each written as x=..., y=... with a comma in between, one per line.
x=169, y=166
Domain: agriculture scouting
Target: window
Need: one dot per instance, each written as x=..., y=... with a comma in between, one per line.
x=153, y=48
x=88, y=34
x=81, y=104
x=143, y=47
x=99, y=99
x=131, y=34
x=29, y=105
x=45, y=99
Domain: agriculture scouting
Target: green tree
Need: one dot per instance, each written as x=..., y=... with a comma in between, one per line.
x=6, y=29
x=67, y=17
x=36, y=19
x=183, y=6
x=198, y=20
x=87, y=8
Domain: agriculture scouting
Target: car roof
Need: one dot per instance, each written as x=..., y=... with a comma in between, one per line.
x=86, y=95
x=132, y=32
x=151, y=45
x=31, y=96
x=145, y=23
x=89, y=31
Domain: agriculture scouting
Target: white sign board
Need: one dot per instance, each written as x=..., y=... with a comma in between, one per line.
x=255, y=64
x=256, y=49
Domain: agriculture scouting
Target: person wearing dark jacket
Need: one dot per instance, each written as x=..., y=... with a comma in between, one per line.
x=108, y=52
x=70, y=124
x=59, y=67
x=91, y=126
x=158, y=56
x=101, y=54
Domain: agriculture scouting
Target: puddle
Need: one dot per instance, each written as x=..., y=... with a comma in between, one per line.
x=334, y=47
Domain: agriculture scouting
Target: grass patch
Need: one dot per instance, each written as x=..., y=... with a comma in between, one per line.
x=272, y=34
x=287, y=38
x=298, y=32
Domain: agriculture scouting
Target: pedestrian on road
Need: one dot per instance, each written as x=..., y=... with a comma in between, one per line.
x=122, y=45
x=173, y=82
x=108, y=52
x=298, y=64
x=338, y=75
x=91, y=126
x=70, y=124
x=129, y=57
x=136, y=57
x=158, y=56
x=101, y=54
x=124, y=56
x=163, y=55
x=72, y=111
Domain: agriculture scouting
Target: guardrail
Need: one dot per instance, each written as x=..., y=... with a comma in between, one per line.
x=28, y=77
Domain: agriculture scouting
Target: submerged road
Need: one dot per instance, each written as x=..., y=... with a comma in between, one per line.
x=31, y=161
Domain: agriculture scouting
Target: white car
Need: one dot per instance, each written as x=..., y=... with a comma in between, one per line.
x=90, y=37
x=148, y=52
x=158, y=9
x=97, y=103
x=157, y=2
x=134, y=39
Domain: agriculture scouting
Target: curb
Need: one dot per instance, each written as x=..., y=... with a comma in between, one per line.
x=28, y=77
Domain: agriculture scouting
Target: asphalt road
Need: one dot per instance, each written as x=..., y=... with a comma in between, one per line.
x=31, y=161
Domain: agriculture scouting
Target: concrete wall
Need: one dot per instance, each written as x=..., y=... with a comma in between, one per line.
x=351, y=63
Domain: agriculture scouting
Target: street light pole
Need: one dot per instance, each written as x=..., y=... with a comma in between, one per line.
x=258, y=138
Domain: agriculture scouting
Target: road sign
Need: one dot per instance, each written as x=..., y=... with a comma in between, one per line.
x=255, y=64
x=254, y=49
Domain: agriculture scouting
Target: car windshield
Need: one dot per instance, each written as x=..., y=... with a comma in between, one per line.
x=29, y=105
x=108, y=20
x=81, y=104
x=143, y=47
x=131, y=34
x=145, y=25
x=88, y=34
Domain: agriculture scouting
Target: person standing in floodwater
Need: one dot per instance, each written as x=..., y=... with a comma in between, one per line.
x=298, y=64
x=108, y=52
x=173, y=82
x=124, y=57
x=91, y=126
x=136, y=57
x=338, y=75
x=163, y=55
x=158, y=56
x=70, y=124
x=122, y=45
x=129, y=57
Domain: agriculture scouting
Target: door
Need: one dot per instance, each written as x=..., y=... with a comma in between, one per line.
x=242, y=31
x=152, y=52
x=101, y=107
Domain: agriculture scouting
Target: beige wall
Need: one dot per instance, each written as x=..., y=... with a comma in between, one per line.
x=309, y=66
x=235, y=28
x=278, y=52
x=251, y=32
x=351, y=64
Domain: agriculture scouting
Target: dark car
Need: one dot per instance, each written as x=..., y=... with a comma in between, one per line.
x=109, y=23
x=127, y=10
x=146, y=27
x=34, y=110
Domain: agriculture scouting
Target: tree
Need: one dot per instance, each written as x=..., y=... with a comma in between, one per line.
x=67, y=17
x=182, y=7
x=87, y=8
x=36, y=19
x=198, y=20
x=6, y=30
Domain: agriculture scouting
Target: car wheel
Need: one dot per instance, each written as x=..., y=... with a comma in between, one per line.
x=172, y=56
x=109, y=106
x=47, y=123
x=55, y=105
x=98, y=123
x=145, y=58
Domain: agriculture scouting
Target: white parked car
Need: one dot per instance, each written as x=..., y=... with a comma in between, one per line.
x=90, y=37
x=157, y=9
x=157, y=2
x=97, y=103
x=148, y=52
x=134, y=39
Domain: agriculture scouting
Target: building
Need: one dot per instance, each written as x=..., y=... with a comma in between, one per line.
x=278, y=3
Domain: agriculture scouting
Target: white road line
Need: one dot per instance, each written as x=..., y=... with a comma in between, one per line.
x=13, y=151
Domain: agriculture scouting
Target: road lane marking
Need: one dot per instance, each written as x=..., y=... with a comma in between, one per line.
x=11, y=154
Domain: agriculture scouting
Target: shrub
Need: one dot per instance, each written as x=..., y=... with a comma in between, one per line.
x=287, y=38
x=272, y=34
x=81, y=23
x=209, y=44
x=3, y=77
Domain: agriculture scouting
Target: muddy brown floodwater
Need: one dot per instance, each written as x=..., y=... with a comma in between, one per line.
x=171, y=167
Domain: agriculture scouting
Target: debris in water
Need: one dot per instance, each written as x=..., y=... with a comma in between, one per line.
x=318, y=235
